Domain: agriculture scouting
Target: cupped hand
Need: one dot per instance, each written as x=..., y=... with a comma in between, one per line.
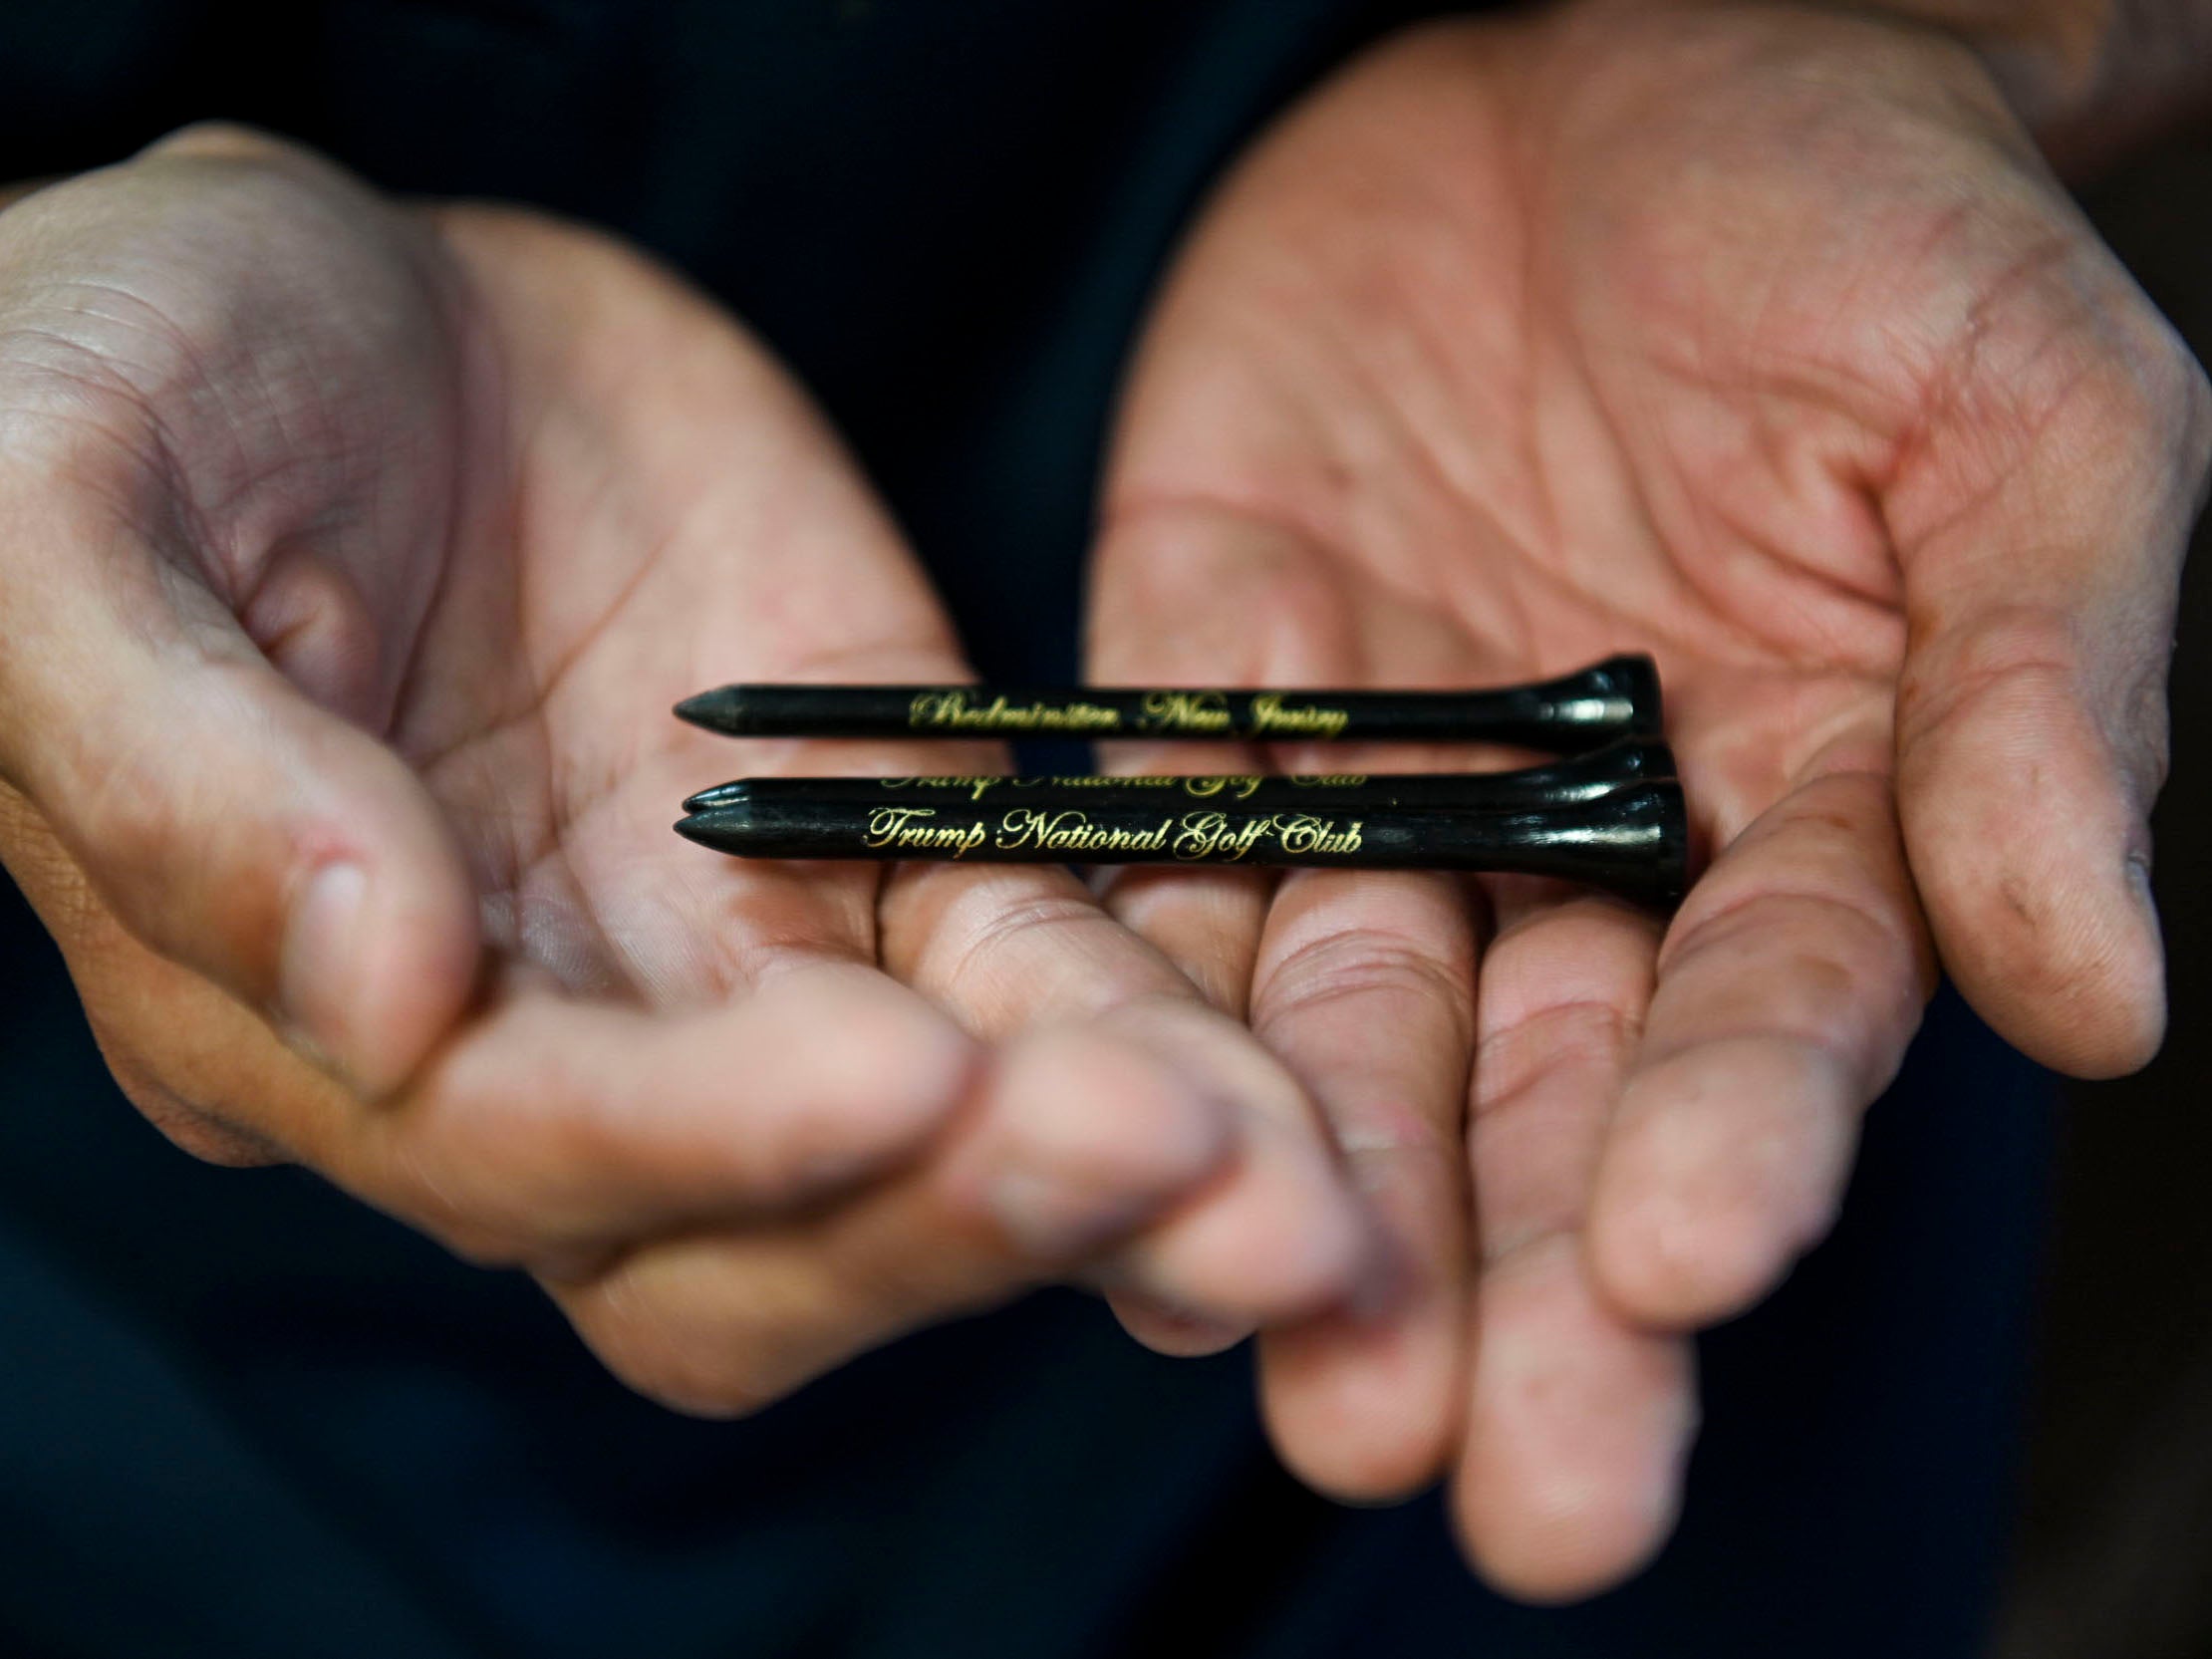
x=353, y=556
x=1759, y=339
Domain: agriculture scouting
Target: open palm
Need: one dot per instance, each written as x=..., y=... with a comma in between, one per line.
x=1761, y=342
x=361, y=555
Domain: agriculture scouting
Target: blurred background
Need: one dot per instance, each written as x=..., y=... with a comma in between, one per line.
x=2114, y=1550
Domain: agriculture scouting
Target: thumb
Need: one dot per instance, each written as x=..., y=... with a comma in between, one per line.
x=229, y=822
x=2032, y=711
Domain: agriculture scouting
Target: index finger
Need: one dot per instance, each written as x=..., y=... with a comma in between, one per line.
x=555, y=1126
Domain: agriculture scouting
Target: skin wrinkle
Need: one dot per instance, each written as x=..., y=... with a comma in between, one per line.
x=1355, y=468
x=1715, y=604
x=1459, y=474
x=1822, y=385
x=1923, y=713
x=1714, y=930
x=514, y=830
x=726, y=971
x=1945, y=390
x=1610, y=417
x=530, y=868
x=558, y=922
x=1478, y=614
x=240, y=562
x=148, y=457
x=1331, y=967
x=920, y=648
x=1529, y=181
x=1877, y=595
x=1702, y=375
x=1305, y=560
x=1008, y=921
x=1264, y=505
x=569, y=795
x=1614, y=1025
x=1681, y=634
x=1479, y=619
x=758, y=962
x=510, y=525
x=492, y=452
x=1498, y=1253
x=1483, y=622
x=532, y=686
x=1499, y=1248
x=413, y=682
x=1870, y=613
x=563, y=807
x=222, y=555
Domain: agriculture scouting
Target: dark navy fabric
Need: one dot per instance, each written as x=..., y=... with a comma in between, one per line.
x=242, y=1416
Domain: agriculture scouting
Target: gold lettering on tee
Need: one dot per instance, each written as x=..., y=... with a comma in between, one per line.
x=903, y=827
x=1214, y=838
x=1305, y=834
x=1197, y=837
x=1202, y=712
x=1071, y=831
x=1271, y=714
x=955, y=711
x=1203, y=787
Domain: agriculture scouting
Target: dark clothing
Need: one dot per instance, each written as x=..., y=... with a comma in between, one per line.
x=241, y=1415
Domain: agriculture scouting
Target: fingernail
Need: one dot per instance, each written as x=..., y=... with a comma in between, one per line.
x=321, y=938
